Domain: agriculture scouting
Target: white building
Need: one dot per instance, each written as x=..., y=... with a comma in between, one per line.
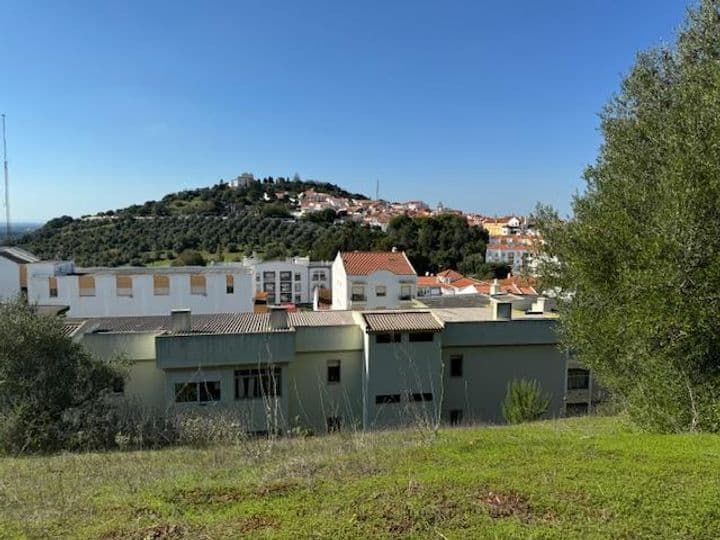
x=131, y=291
x=13, y=271
x=373, y=280
x=242, y=181
x=291, y=281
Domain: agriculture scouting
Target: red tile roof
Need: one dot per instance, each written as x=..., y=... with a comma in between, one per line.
x=451, y=275
x=431, y=281
x=362, y=263
x=511, y=285
x=464, y=282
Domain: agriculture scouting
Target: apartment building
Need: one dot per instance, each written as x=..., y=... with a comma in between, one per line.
x=13, y=271
x=332, y=370
x=137, y=291
x=518, y=252
x=373, y=280
x=291, y=281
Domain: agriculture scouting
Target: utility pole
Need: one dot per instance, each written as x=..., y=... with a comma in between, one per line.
x=377, y=189
x=7, y=184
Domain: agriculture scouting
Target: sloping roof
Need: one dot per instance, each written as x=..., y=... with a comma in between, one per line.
x=450, y=275
x=511, y=285
x=362, y=263
x=465, y=282
x=399, y=321
x=18, y=255
x=222, y=323
x=71, y=326
x=432, y=281
x=321, y=318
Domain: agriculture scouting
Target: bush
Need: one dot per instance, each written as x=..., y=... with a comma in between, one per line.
x=524, y=402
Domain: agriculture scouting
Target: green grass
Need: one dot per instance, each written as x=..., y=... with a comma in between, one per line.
x=575, y=478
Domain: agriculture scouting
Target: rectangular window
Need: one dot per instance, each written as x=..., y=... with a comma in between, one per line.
x=421, y=336
x=358, y=293
x=86, y=285
x=123, y=285
x=257, y=277
x=380, y=290
x=257, y=383
x=333, y=371
x=230, y=284
x=578, y=379
x=421, y=396
x=286, y=298
x=285, y=286
x=268, y=276
x=298, y=276
x=387, y=398
x=271, y=299
x=298, y=287
x=333, y=424
x=118, y=385
x=52, y=284
x=456, y=417
x=198, y=392
x=456, y=365
x=388, y=337
x=269, y=287
x=285, y=276
x=298, y=299
x=405, y=292
x=197, y=284
x=161, y=285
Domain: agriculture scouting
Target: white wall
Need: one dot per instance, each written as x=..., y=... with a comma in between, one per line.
x=340, y=292
x=9, y=279
x=301, y=290
x=143, y=301
x=382, y=278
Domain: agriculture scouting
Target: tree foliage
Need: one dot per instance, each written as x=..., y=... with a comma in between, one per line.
x=640, y=259
x=524, y=401
x=44, y=376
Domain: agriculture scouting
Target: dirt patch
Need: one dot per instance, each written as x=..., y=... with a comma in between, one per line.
x=229, y=494
x=504, y=504
x=276, y=488
x=257, y=522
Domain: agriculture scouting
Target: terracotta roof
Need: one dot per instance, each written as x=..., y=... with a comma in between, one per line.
x=362, y=263
x=465, y=282
x=511, y=285
x=400, y=321
x=451, y=275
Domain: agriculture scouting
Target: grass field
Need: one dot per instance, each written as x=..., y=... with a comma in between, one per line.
x=574, y=478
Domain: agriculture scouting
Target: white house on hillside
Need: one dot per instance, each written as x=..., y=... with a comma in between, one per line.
x=131, y=291
x=13, y=271
x=364, y=280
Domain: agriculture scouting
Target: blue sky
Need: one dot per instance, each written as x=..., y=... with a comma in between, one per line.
x=486, y=106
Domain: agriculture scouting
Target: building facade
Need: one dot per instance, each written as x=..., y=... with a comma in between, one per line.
x=13, y=271
x=292, y=281
x=363, y=280
x=131, y=291
x=337, y=369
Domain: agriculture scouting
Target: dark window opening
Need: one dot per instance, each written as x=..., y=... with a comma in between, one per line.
x=387, y=398
x=118, y=385
x=53, y=293
x=200, y=392
x=456, y=417
x=333, y=371
x=230, y=289
x=421, y=396
x=456, y=365
x=578, y=379
x=388, y=337
x=334, y=424
x=421, y=336
x=257, y=383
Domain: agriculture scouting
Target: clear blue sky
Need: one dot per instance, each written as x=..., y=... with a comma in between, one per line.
x=486, y=106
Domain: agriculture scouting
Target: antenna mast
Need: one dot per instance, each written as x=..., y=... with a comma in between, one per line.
x=7, y=183
x=377, y=189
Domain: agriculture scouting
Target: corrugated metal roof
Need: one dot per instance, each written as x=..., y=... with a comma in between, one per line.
x=18, y=255
x=71, y=326
x=321, y=318
x=398, y=321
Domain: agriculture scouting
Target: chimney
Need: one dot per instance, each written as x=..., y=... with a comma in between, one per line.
x=394, y=249
x=501, y=311
x=180, y=321
x=278, y=319
x=539, y=305
x=494, y=287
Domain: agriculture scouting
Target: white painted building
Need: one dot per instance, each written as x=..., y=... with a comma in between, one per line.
x=131, y=291
x=291, y=281
x=373, y=280
x=13, y=271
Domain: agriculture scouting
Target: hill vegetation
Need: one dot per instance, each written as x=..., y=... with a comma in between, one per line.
x=225, y=223
x=574, y=478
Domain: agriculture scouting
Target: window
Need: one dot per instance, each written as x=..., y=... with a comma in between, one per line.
x=298, y=299
x=333, y=424
x=298, y=276
x=86, y=285
x=421, y=396
x=257, y=383
x=318, y=275
x=576, y=409
x=229, y=284
x=269, y=287
x=405, y=292
x=578, y=379
x=387, y=398
x=333, y=371
x=268, y=276
x=285, y=286
x=199, y=392
x=123, y=285
x=456, y=365
x=358, y=293
x=298, y=287
x=456, y=417
x=198, y=284
x=380, y=290
x=285, y=298
x=285, y=276
x=118, y=385
x=421, y=336
x=161, y=285
x=52, y=284
x=257, y=277
x=271, y=299
x=388, y=337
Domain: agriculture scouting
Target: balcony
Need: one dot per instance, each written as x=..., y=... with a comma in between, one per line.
x=358, y=298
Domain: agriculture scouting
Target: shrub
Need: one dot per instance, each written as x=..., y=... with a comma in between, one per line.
x=524, y=401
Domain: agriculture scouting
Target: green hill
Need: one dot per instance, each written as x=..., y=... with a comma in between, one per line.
x=225, y=223
x=574, y=478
